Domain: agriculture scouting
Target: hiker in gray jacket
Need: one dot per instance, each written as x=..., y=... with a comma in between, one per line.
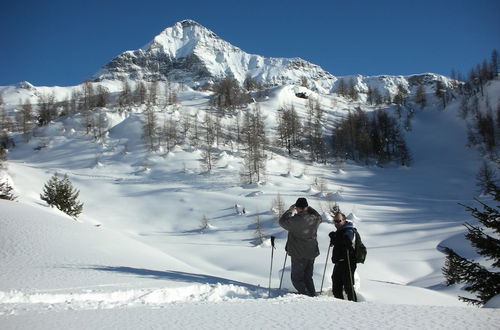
x=302, y=222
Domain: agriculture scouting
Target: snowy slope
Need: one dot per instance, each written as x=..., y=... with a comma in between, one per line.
x=58, y=273
x=138, y=249
x=44, y=249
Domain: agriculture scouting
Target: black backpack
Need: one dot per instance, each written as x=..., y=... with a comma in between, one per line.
x=359, y=248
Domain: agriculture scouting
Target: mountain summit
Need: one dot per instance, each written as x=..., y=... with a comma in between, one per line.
x=190, y=53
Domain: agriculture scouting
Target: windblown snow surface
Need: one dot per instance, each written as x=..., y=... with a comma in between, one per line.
x=137, y=258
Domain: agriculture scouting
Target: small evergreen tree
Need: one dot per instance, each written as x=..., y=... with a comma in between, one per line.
x=50, y=190
x=482, y=280
x=6, y=191
x=61, y=194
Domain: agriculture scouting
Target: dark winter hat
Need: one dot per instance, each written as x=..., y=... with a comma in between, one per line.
x=301, y=202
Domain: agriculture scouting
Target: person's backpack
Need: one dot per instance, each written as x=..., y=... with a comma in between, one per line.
x=359, y=248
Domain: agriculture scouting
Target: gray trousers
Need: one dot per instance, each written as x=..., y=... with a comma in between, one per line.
x=302, y=276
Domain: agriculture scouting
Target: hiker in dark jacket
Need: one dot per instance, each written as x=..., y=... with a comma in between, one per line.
x=343, y=258
x=302, y=222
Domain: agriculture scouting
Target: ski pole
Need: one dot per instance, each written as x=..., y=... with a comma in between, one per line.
x=271, y=269
x=324, y=270
x=350, y=277
x=283, y=271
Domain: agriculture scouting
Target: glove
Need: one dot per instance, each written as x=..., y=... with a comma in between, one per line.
x=332, y=238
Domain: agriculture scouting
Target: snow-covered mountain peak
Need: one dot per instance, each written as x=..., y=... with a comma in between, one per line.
x=190, y=53
x=183, y=38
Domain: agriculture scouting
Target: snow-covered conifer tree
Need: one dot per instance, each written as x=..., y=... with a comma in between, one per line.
x=61, y=194
x=482, y=280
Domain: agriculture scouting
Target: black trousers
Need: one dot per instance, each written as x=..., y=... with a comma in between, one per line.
x=302, y=276
x=343, y=280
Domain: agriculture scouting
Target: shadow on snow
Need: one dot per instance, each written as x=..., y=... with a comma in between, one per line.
x=173, y=276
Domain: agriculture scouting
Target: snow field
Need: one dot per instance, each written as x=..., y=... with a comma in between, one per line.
x=137, y=258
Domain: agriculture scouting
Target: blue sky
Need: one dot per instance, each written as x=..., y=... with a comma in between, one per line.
x=65, y=42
